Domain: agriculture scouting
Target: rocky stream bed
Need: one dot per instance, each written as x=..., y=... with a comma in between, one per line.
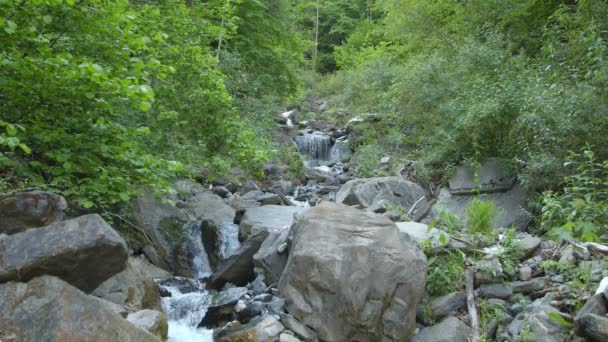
x=333, y=258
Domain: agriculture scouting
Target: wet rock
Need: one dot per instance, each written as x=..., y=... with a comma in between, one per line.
x=353, y=275
x=151, y=320
x=24, y=210
x=238, y=268
x=493, y=175
x=302, y=331
x=594, y=328
x=271, y=257
x=266, y=218
x=500, y=291
x=529, y=286
x=450, y=329
x=269, y=199
x=222, y=304
x=164, y=224
x=265, y=328
x=48, y=309
x=368, y=192
x=84, y=251
x=252, y=310
x=134, y=286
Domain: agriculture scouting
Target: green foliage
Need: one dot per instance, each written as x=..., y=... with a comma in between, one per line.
x=366, y=160
x=580, y=211
x=480, y=216
x=511, y=252
x=446, y=273
x=101, y=97
x=518, y=79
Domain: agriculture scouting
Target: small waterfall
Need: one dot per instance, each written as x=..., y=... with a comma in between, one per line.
x=200, y=261
x=316, y=145
x=228, y=240
x=288, y=115
x=185, y=309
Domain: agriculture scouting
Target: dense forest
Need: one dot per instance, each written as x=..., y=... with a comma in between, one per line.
x=101, y=97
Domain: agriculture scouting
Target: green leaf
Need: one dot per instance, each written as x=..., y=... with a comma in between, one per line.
x=25, y=149
x=557, y=318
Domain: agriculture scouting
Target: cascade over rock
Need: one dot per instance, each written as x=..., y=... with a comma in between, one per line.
x=351, y=275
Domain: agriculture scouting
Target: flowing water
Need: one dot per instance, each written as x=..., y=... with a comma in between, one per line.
x=187, y=305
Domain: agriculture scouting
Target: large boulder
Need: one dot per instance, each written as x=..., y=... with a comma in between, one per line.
x=352, y=276
x=167, y=227
x=84, y=251
x=151, y=320
x=134, y=286
x=379, y=191
x=49, y=309
x=266, y=218
x=24, y=210
x=209, y=206
x=492, y=176
x=238, y=268
x=265, y=328
x=272, y=256
x=512, y=205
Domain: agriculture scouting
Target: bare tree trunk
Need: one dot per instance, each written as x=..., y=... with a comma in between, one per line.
x=314, y=59
x=221, y=35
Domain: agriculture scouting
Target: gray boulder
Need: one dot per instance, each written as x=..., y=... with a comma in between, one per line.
x=441, y=307
x=166, y=226
x=221, y=307
x=265, y=328
x=84, y=251
x=450, y=329
x=266, y=218
x=238, y=268
x=272, y=256
x=302, y=331
x=513, y=206
x=134, y=286
x=209, y=206
x=368, y=193
x=49, y=309
x=152, y=321
x=493, y=175
x=351, y=275
x=24, y=210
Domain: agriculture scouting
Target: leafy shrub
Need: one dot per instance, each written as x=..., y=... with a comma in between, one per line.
x=446, y=273
x=480, y=216
x=580, y=211
x=366, y=159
